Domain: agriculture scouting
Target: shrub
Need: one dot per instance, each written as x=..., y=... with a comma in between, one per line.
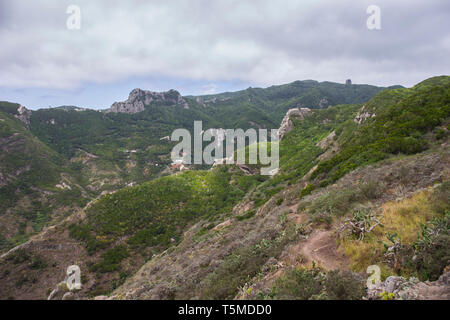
x=246, y=215
x=387, y=295
x=37, y=263
x=370, y=190
x=432, y=252
x=307, y=190
x=242, y=265
x=345, y=285
x=111, y=260
x=439, y=198
x=299, y=284
x=440, y=133
x=19, y=256
x=334, y=203
x=314, y=284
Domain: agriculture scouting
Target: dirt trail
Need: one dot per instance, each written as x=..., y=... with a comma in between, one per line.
x=322, y=249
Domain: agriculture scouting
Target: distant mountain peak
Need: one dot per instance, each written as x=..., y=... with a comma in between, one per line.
x=138, y=99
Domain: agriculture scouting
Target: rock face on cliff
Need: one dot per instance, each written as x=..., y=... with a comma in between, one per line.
x=287, y=124
x=139, y=98
x=23, y=114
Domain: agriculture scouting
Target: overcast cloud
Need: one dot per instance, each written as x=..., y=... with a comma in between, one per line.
x=207, y=46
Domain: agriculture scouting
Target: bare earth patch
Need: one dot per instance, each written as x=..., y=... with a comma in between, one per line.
x=321, y=248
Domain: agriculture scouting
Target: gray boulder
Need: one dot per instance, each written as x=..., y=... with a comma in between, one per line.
x=393, y=283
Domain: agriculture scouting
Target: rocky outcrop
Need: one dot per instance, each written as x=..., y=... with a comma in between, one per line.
x=412, y=289
x=24, y=115
x=363, y=115
x=138, y=99
x=62, y=292
x=323, y=103
x=287, y=125
x=67, y=289
x=327, y=141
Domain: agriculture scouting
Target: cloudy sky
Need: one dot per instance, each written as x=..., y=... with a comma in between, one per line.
x=210, y=46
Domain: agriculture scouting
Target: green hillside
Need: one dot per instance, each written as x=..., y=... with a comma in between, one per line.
x=27, y=166
x=403, y=119
x=151, y=217
x=267, y=107
x=210, y=233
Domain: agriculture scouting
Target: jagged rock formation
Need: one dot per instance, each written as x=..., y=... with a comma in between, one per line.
x=287, y=124
x=139, y=98
x=23, y=114
x=363, y=115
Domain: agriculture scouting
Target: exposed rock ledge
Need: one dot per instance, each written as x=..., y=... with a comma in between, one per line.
x=23, y=114
x=287, y=125
x=412, y=289
x=139, y=98
x=363, y=115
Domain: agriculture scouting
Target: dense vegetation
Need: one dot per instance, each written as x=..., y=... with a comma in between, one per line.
x=26, y=165
x=152, y=216
x=255, y=107
x=124, y=229
x=403, y=117
x=316, y=284
x=94, y=151
x=299, y=150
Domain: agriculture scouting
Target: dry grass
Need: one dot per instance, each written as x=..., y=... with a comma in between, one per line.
x=362, y=253
x=404, y=217
x=401, y=217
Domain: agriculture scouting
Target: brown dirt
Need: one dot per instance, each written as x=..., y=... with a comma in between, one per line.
x=321, y=248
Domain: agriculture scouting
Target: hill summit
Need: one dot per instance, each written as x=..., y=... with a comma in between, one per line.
x=138, y=99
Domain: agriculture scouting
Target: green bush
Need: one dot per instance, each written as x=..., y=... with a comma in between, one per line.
x=345, y=285
x=432, y=249
x=440, y=133
x=111, y=260
x=335, y=203
x=38, y=263
x=242, y=265
x=246, y=215
x=299, y=284
x=370, y=190
x=307, y=190
x=316, y=284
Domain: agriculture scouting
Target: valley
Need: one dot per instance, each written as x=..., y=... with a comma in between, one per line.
x=96, y=189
